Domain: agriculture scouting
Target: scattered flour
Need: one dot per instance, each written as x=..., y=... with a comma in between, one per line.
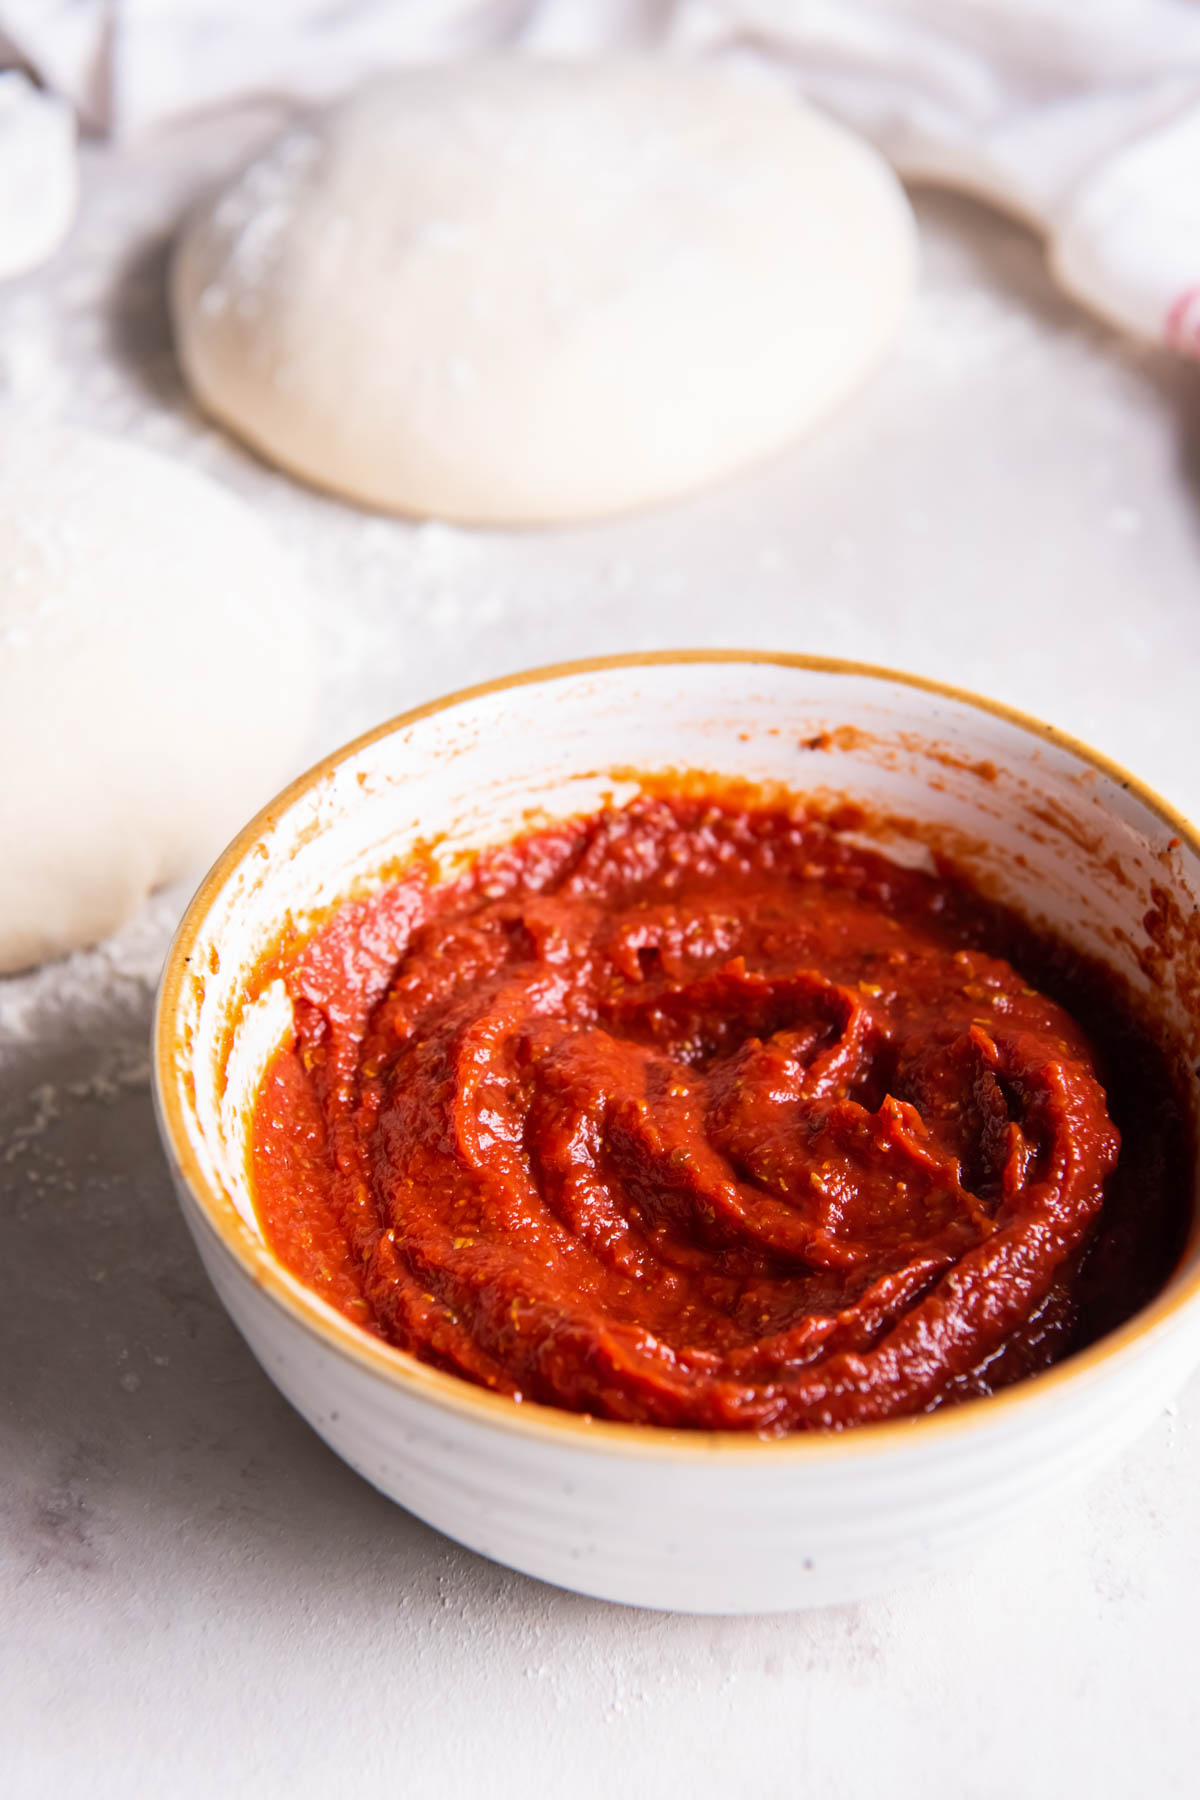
x=85, y=1016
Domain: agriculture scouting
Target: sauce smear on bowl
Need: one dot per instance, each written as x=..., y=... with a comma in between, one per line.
x=695, y=1114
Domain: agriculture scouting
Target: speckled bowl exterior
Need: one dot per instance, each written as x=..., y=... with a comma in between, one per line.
x=702, y=1522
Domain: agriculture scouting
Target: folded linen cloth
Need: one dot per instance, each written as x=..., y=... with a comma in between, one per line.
x=1084, y=120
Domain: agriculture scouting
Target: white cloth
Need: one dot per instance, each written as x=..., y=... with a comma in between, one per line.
x=1082, y=116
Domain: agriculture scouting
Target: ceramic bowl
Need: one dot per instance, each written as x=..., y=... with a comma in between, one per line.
x=706, y=1522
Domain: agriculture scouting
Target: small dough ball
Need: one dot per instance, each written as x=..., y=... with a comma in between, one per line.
x=514, y=291
x=155, y=683
x=39, y=173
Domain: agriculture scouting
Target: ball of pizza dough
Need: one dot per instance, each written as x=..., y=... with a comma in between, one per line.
x=156, y=684
x=39, y=173
x=511, y=291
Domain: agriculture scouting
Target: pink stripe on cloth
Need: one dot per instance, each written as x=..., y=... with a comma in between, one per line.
x=1181, y=329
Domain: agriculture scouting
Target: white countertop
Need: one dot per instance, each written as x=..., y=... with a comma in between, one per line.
x=197, y=1598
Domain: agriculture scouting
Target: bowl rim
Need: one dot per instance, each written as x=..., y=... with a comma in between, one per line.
x=454, y=1394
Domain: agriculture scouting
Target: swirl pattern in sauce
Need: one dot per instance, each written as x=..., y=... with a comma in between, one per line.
x=691, y=1114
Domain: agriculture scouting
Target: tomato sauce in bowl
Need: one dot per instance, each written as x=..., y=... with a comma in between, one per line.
x=693, y=1113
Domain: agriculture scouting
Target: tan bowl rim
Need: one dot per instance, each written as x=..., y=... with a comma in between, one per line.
x=579, y=1431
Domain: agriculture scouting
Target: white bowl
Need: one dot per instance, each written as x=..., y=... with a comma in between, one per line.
x=706, y=1522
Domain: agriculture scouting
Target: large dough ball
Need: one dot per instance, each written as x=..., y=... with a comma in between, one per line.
x=155, y=682
x=514, y=291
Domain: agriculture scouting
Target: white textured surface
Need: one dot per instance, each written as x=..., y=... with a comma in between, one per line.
x=197, y=1597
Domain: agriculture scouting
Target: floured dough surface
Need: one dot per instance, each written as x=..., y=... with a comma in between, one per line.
x=156, y=683
x=512, y=291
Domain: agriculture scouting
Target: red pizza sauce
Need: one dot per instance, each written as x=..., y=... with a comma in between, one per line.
x=693, y=1114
